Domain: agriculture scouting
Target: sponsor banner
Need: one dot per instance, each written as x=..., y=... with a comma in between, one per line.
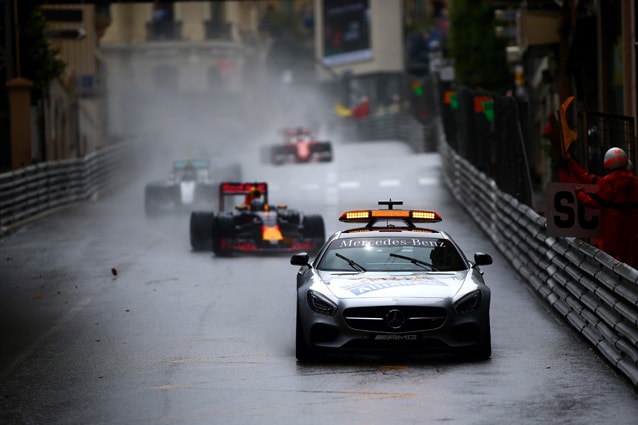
x=346, y=31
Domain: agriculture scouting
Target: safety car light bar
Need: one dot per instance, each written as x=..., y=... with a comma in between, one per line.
x=366, y=216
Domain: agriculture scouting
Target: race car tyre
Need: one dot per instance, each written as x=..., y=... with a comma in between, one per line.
x=223, y=228
x=278, y=155
x=303, y=352
x=324, y=150
x=313, y=227
x=151, y=200
x=327, y=156
x=159, y=198
x=201, y=230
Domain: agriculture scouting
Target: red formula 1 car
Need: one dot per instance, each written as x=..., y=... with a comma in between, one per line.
x=300, y=146
x=254, y=226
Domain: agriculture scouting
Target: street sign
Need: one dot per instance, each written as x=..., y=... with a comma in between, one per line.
x=566, y=217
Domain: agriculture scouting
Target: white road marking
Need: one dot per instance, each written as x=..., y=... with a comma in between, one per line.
x=349, y=185
x=428, y=181
x=390, y=183
x=331, y=177
x=310, y=186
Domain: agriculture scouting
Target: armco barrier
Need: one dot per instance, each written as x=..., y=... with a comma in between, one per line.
x=596, y=294
x=399, y=126
x=31, y=190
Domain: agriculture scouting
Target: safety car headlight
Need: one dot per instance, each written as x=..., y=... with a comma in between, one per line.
x=468, y=303
x=321, y=304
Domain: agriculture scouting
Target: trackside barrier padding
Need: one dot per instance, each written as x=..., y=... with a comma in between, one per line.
x=595, y=293
x=28, y=191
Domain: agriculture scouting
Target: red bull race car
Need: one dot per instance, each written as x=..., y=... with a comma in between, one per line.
x=254, y=225
x=299, y=147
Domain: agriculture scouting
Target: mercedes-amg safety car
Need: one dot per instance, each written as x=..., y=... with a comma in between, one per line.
x=391, y=287
x=188, y=186
x=300, y=146
x=254, y=226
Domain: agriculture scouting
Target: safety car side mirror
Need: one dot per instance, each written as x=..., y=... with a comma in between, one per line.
x=482, y=259
x=300, y=259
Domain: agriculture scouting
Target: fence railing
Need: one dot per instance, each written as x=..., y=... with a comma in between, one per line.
x=28, y=191
x=595, y=293
x=391, y=126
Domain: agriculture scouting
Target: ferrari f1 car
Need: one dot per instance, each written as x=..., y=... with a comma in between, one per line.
x=392, y=287
x=188, y=186
x=299, y=146
x=254, y=226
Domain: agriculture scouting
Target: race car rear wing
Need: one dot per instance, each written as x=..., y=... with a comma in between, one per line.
x=240, y=189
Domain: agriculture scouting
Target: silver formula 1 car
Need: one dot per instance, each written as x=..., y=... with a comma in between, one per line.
x=391, y=287
x=188, y=186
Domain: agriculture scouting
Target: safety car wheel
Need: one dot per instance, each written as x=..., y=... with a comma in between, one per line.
x=484, y=352
x=201, y=230
x=303, y=352
x=481, y=352
x=223, y=228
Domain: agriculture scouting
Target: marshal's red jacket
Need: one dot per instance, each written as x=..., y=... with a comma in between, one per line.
x=617, y=198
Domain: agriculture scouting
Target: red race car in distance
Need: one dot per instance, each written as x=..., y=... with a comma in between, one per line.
x=300, y=146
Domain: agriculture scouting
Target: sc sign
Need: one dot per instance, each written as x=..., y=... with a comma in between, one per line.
x=566, y=216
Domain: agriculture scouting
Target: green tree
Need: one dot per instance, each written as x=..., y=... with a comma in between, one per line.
x=479, y=56
x=39, y=62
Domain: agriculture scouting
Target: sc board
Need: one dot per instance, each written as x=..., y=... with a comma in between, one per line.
x=566, y=217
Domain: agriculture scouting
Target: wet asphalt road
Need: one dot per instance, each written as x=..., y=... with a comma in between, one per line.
x=107, y=317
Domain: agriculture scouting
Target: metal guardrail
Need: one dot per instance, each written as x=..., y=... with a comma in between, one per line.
x=28, y=191
x=592, y=291
x=391, y=126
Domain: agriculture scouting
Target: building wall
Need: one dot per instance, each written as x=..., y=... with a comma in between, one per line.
x=172, y=83
x=74, y=110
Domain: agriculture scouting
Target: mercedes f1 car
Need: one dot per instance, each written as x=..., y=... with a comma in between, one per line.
x=299, y=146
x=391, y=286
x=254, y=226
x=188, y=186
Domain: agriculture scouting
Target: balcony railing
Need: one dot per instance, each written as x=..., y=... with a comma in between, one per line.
x=216, y=30
x=163, y=30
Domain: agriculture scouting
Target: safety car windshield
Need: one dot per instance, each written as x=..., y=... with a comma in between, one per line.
x=392, y=254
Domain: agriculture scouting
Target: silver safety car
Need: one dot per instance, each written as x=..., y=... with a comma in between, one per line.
x=390, y=286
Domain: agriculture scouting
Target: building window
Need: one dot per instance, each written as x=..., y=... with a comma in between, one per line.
x=163, y=12
x=163, y=25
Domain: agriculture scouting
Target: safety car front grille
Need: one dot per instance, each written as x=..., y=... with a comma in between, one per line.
x=395, y=319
